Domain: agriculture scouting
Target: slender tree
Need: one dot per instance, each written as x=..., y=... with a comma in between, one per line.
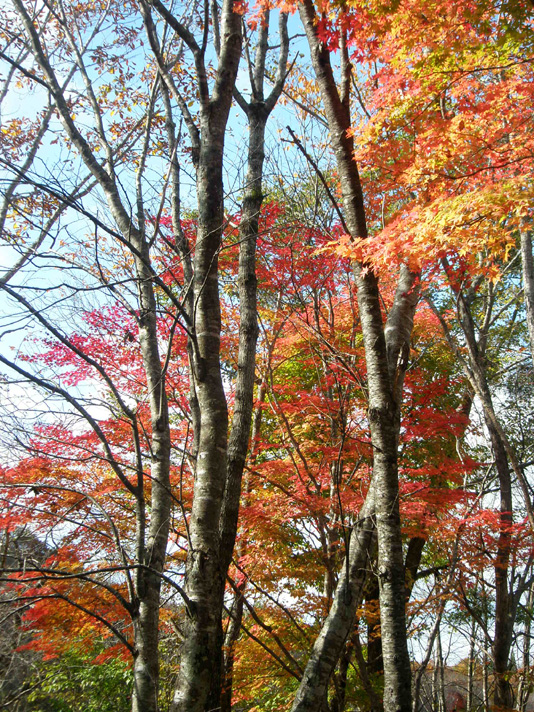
x=386, y=352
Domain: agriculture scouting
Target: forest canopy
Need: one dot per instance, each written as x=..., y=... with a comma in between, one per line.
x=266, y=353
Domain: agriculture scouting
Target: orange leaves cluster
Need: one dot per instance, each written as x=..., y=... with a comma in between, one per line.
x=445, y=143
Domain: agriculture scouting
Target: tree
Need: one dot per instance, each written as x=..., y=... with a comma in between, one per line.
x=75, y=36
x=457, y=195
x=386, y=351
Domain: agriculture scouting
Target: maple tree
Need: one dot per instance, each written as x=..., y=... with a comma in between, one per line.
x=426, y=155
x=314, y=500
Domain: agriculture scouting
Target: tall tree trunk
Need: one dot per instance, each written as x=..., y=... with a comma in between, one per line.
x=471, y=667
x=236, y=612
x=385, y=372
x=504, y=602
x=528, y=279
x=198, y=685
x=485, y=657
x=384, y=420
x=441, y=697
x=435, y=687
x=525, y=683
x=205, y=578
x=219, y=464
x=258, y=111
x=152, y=551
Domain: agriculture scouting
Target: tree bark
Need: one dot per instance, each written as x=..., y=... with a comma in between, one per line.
x=219, y=463
x=152, y=553
x=471, y=667
x=258, y=111
x=232, y=634
x=503, y=698
x=198, y=685
x=313, y=689
x=442, y=701
x=375, y=664
x=528, y=280
x=385, y=373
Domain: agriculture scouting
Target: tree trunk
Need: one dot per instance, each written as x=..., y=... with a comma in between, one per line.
x=435, y=687
x=232, y=634
x=385, y=372
x=485, y=658
x=198, y=685
x=485, y=681
x=151, y=553
x=528, y=280
x=525, y=684
x=384, y=420
x=375, y=666
x=442, y=702
x=504, y=602
x=258, y=112
x=471, y=667
x=340, y=681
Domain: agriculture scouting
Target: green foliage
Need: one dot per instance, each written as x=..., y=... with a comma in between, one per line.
x=77, y=682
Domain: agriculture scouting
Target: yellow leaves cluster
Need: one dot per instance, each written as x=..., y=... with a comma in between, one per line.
x=479, y=226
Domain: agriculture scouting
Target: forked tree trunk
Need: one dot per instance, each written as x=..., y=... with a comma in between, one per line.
x=386, y=352
x=258, y=111
x=198, y=684
x=219, y=463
